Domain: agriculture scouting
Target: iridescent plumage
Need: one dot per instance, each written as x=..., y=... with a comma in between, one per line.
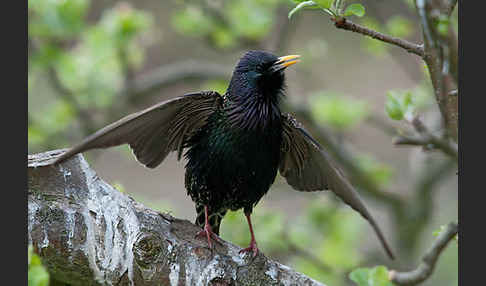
x=236, y=143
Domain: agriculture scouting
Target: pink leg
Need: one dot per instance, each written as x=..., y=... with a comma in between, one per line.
x=207, y=232
x=253, y=245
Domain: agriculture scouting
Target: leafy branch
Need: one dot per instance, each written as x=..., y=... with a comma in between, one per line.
x=439, y=50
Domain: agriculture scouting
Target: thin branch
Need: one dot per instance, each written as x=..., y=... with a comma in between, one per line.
x=425, y=138
x=381, y=124
x=426, y=268
x=343, y=23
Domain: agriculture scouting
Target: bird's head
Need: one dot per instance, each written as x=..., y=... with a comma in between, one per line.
x=260, y=74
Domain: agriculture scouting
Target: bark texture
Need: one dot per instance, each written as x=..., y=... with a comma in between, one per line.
x=89, y=233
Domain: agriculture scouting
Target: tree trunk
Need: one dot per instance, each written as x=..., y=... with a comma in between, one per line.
x=89, y=233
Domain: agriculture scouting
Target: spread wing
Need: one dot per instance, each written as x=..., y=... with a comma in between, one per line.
x=307, y=167
x=154, y=132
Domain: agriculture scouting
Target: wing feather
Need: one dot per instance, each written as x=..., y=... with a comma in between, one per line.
x=308, y=167
x=156, y=131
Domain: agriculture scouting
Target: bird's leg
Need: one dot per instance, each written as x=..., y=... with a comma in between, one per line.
x=253, y=245
x=207, y=231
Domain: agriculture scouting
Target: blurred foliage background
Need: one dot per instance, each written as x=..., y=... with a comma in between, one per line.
x=93, y=62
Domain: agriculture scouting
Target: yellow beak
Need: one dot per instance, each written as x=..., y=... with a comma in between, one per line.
x=289, y=60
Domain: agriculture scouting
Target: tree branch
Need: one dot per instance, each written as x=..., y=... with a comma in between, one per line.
x=440, y=55
x=343, y=23
x=88, y=233
x=426, y=268
x=426, y=139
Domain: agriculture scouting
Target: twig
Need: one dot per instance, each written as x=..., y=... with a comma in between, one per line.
x=425, y=269
x=343, y=23
x=381, y=124
x=425, y=138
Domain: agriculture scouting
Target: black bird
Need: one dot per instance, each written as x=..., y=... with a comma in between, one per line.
x=235, y=144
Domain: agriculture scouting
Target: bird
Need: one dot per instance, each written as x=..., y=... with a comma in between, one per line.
x=234, y=144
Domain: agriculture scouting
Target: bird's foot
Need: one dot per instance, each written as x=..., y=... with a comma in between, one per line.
x=252, y=248
x=208, y=233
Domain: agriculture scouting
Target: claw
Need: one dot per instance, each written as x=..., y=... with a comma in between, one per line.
x=252, y=248
x=253, y=245
x=208, y=233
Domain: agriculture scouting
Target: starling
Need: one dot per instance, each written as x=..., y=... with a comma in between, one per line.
x=234, y=145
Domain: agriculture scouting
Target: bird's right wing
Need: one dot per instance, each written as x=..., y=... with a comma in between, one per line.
x=154, y=132
x=307, y=167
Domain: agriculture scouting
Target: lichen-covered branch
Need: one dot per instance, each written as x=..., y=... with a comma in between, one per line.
x=89, y=233
x=425, y=269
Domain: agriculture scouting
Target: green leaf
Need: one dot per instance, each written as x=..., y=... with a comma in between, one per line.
x=442, y=25
x=123, y=23
x=61, y=19
x=37, y=275
x=302, y=5
x=325, y=3
x=399, y=104
x=249, y=20
x=192, y=21
x=393, y=107
x=354, y=9
x=360, y=276
x=223, y=37
x=378, y=276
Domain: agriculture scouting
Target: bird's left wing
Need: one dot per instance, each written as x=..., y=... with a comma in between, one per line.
x=154, y=132
x=307, y=167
